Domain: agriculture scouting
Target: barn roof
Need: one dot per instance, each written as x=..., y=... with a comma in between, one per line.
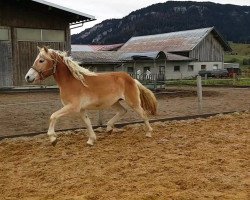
x=102, y=57
x=98, y=57
x=172, y=42
x=86, y=47
x=76, y=16
x=175, y=57
x=143, y=55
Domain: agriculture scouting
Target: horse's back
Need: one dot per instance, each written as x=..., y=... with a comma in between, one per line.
x=110, y=78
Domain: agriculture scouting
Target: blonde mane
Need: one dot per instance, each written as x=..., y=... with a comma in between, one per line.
x=76, y=70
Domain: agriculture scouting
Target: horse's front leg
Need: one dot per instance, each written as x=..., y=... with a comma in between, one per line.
x=54, y=117
x=91, y=133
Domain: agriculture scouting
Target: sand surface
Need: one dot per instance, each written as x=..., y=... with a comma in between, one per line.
x=192, y=159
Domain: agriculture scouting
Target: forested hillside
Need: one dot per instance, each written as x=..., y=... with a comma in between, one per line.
x=232, y=21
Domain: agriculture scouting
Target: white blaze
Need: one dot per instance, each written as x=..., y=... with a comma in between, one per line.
x=31, y=75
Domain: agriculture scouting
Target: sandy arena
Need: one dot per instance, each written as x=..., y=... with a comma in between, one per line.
x=22, y=113
x=192, y=159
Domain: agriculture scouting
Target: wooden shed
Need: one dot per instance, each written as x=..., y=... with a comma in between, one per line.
x=26, y=24
x=205, y=46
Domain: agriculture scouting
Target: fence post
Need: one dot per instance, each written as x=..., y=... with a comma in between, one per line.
x=234, y=78
x=155, y=81
x=205, y=82
x=199, y=94
x=100, y=117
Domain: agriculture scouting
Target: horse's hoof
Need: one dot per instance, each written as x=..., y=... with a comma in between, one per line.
x=54, y=143
x=109, y=129
x=53, y=140
x=148, y=134
x=90, y=142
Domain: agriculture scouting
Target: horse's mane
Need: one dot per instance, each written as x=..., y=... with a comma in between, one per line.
x=76, y=70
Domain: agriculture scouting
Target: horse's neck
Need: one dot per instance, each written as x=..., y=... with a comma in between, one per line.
x=62, y=75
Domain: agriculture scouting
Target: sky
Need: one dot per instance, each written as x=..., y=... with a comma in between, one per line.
x=108, y=9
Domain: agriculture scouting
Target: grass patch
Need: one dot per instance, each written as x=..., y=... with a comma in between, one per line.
x=212, y=82
x=240, y=54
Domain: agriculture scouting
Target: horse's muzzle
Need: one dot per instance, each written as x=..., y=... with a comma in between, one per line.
x=31, y=75
x=29, y=79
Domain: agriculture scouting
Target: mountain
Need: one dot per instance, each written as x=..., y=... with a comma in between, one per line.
x=231, y=21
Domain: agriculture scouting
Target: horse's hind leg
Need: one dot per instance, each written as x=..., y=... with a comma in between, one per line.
x=133, y=100
x=121, y=111
x=91, y=133
x=143, y=115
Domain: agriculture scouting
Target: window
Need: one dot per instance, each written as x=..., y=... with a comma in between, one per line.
x=176, y=68
x=215, y=66
x=203, y=67
x=4, y=34
x=190, y=68
x=28, y=34
x=53, y=35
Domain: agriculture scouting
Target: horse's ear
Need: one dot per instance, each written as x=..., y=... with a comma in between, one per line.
x=46, y=49
x=39, y=48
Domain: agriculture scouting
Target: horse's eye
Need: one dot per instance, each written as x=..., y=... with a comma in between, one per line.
x=41, y=61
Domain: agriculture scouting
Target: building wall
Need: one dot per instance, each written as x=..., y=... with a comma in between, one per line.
x=15, y=15
x=30, y=14
x=208, y=50
x=186, y=69
x=100, y=67
x=189, y=69
x=6, y=70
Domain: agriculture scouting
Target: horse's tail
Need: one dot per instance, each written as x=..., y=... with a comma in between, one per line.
x=148, y=100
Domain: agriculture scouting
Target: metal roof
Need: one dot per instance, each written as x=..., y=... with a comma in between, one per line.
x=85, y=47
x=90, y=17
x=175, y=57
x=102, y=57
x=142, y=55
x=77, y=47
x=96, y=57
x=172, y=42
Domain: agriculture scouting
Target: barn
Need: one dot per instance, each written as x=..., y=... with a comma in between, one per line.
x=203, y=49
x=136, y=63
x=173, y=55
x=26, y=24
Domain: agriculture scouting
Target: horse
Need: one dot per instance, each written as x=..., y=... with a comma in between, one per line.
x=82, y=90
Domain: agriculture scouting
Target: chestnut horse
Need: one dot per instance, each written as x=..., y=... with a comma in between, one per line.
x=81, y=89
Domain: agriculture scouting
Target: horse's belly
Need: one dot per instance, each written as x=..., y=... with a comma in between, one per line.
x=98, y=104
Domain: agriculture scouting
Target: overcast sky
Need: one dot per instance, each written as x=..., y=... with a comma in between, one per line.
x=108, y=9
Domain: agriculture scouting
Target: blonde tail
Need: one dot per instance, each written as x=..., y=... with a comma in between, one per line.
x=148, y=100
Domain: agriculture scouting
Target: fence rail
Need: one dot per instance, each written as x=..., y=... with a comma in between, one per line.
x=149, y=77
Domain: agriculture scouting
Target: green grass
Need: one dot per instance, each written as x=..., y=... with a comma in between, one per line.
x=240, y=49
x=239, y=53
x=213, y=82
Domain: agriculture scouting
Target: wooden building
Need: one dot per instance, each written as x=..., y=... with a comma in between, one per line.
x=205, y=47
x=134, y=63
x=26, y=24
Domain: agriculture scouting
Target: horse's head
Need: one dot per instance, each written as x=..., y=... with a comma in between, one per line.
x=43, y=67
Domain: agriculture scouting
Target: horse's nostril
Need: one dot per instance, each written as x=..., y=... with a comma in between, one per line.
x=29, y=79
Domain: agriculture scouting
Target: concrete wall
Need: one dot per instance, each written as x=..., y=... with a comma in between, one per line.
x=184, y=72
